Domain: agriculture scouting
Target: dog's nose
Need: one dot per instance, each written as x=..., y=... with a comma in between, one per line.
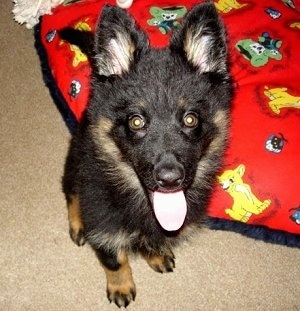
x=169, y=178
x=168, y=172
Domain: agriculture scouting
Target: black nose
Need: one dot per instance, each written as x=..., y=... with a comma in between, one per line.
x=169, y=174
x=169, y=178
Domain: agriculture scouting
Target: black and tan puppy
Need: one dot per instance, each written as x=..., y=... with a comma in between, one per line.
x=141, y=166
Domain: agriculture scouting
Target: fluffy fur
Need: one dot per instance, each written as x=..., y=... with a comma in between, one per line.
x=157, y=120
x=29, y=11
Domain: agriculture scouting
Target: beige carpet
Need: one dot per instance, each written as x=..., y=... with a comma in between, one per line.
x=41, y=269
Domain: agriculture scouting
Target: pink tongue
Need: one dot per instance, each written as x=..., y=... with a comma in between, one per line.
x=170, y=209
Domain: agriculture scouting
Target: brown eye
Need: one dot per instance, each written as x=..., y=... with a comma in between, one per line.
x=136, y=122
x=190, y=120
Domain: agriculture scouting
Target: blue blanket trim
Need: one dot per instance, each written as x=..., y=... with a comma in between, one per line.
x=256, y=232
x=50, y=82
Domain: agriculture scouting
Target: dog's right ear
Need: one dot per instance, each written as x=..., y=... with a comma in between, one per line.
x=119, y=42
x=83, y=39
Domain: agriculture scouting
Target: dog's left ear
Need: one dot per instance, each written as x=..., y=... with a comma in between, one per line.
x=202, y=39
x=119, y=42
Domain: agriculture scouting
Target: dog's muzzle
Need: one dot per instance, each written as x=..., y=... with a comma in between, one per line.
x=168, y=200
x=169, y=174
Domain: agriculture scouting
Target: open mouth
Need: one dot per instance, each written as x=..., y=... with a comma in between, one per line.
x=170, y=208
x=225, y=187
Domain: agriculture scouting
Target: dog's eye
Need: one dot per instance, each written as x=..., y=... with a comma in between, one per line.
x=190, y=120
x=136, y=122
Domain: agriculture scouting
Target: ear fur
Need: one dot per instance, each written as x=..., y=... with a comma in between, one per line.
x=202, y=39
x=83, y=39
x=118, y=42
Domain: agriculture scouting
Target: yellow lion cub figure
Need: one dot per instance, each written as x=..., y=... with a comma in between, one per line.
x=245, y=203
x=226, y=6
x=280, y=98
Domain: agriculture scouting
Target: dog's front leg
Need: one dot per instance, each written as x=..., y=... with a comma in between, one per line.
x=120, y=285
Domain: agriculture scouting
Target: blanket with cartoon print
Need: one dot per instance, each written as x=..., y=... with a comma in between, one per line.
x=258, y=192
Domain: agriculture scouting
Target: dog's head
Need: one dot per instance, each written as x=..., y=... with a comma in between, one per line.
x=159, y=117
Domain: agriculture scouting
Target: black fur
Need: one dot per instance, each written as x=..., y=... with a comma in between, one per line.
x=113, y=168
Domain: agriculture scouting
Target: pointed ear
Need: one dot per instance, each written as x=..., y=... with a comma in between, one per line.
x=118, y=42
x=202, y=39
x=241, y=169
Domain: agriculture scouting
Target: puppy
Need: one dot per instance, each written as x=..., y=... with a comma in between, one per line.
x=140, y=168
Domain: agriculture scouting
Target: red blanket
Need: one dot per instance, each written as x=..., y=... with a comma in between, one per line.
x=258, y=192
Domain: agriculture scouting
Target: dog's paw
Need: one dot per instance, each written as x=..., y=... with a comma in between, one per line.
x=121, y=294
x=77, y=236
x=161, y=263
